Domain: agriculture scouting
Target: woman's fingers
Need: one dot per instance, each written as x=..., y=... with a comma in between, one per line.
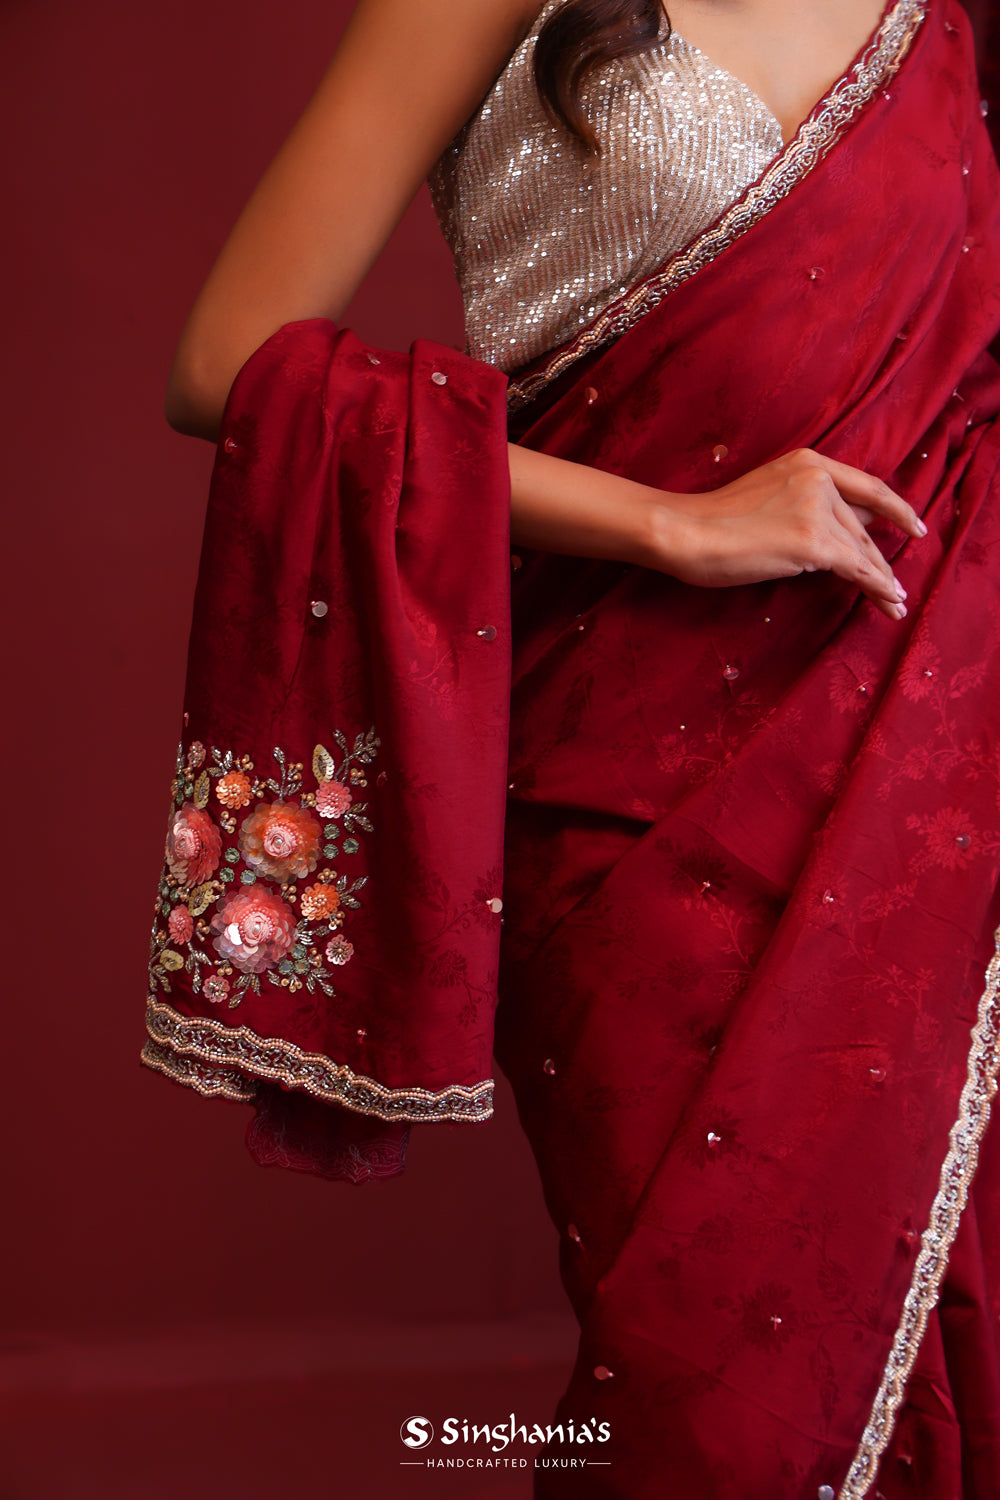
x=865, y=490
x=847, y=516
x=874, y=575
x=848, y=562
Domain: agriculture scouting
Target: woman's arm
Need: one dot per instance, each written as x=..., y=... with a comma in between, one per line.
x=802, y=513
x=406, y=76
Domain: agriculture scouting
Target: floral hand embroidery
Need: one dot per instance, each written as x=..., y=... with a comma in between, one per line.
x=229, y=891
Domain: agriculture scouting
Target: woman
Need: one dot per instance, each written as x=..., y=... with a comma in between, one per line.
x=748, y=992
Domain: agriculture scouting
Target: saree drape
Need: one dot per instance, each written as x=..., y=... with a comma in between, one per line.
x=748, y=988
x=749, y=1002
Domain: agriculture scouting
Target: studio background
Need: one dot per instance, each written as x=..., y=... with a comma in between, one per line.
x=177, y=1320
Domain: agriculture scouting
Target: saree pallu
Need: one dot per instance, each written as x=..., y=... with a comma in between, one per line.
x=749, y=987
x=326, y=928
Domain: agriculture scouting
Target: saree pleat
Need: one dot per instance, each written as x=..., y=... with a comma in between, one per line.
x=749, y=987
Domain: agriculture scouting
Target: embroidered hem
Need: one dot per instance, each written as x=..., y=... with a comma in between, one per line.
x=232, y=1060
x=811, y=142
x=956, y=1174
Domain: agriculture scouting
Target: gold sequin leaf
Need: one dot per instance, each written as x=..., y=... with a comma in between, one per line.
x=201, y=897
x=201, y=789
x=171, y=960
x=324, y=766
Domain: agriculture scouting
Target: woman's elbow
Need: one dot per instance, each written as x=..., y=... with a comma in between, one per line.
x=193, y=404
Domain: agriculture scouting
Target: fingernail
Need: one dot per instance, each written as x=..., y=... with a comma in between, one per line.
x=899, y=588
x=922, y=529
x=901, y=610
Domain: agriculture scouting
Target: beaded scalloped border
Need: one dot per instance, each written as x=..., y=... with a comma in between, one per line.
x=956, y=1174
x=805, y=150
x=230, y=1060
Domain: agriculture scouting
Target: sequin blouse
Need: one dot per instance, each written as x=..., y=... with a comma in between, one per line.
x=543, y=236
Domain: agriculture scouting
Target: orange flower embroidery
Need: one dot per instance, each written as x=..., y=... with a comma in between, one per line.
x=319, y=901
x=234, y=790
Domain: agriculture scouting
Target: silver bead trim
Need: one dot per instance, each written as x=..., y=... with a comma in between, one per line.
x=806, y=149
x=956, y=1174
x=230, y=1060
x=198, y=1075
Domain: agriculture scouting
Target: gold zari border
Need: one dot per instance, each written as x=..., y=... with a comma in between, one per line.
x=808, y=146
x=956, y=1175
x=231, y=1060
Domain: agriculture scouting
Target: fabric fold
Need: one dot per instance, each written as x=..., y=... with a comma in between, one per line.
x=326, y=930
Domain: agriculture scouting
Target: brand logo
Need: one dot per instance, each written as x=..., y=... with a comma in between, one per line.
x=416, y=1432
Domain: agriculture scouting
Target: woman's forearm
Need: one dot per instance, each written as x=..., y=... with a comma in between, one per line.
x=571, y=508
x=802, y=512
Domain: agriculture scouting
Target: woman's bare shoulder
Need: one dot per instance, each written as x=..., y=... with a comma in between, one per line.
x=405, y=77
x=446, y=52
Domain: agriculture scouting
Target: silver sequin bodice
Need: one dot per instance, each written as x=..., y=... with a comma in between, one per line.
x=543, y=236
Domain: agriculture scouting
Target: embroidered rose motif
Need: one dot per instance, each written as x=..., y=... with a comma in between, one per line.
x=333, y=799
x=194, y=845
x=254, y=929
x=180, y=924
x=234, y=789
x=319, y=901
x=281, y=840
x=224, y=868
x=216, y=988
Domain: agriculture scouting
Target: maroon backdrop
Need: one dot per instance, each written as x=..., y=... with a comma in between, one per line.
x=132, y=135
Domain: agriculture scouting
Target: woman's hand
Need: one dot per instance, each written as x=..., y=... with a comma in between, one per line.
x=802, y=513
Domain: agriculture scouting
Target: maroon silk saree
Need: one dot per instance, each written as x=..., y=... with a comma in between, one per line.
x=748, y=990
x=749, y=1002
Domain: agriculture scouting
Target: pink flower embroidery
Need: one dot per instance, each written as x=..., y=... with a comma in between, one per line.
x=254, y=928
x=332, y=799
x=216, y=987
x=195, y=755
x=180, y=924
x=339, y=950
x=194, y=845
x=280, y=840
